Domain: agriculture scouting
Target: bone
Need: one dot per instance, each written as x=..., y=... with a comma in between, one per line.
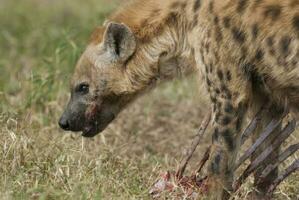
x=282, y=157
x=285, y=133
x=252, y=126
x=292, y=168
x=195, y=143
x=266, y=133
x=194, y=184
x=202, y=162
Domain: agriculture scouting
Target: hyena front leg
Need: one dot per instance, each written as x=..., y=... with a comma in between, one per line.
x=230, y=98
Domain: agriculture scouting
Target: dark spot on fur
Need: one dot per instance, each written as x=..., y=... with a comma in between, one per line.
x=277, y=109
x=211, y=6
x=215, y=165
x=259, y=55
x=270, y=44
x=216, y=20
x=216, y=55
x=220, y=74
x=206, y=67
x=208, y=82
x=207, y=47
x=213, y=99
x=247, y=69
x=214, y=107
x=242, y=106
x=144, y=22
x=272, y=52
x=226, y=22
x=215, y=135
x=197, y=5
x=270, y=41
x=227, y=94
x=219, y=105
x=223, y=88
x=238, y=35
x=242, y=5
x=228, y=76
x=239, y=124
x=226, y=120
x=294, y=63
x=255, y=31
x=228, y=139
x=228, y=108
x=284, y=45
x=211, y=68
x=217, y=116
x=172, y=18
x=273, y=12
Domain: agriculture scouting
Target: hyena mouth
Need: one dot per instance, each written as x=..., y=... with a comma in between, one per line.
x=90, y=128
x=96, y=127
x=90, y=131
x=96, y=120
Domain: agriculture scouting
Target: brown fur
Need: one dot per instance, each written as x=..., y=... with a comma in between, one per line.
x=243, y=48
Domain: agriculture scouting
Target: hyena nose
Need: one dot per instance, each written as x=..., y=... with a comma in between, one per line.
x=64, y=124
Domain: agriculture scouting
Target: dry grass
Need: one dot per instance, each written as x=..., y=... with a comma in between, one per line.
x=40, y=42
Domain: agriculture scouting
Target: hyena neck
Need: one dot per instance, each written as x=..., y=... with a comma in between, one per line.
x=163, y=51
x=153, y=61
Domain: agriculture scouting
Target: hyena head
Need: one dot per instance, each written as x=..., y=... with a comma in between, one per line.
x=100, y=86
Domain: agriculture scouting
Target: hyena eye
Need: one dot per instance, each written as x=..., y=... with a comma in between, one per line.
x=83, y=88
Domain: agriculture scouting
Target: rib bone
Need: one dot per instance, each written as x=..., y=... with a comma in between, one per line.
x=285, y=133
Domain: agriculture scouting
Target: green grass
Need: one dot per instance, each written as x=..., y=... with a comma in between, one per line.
x=40, y=41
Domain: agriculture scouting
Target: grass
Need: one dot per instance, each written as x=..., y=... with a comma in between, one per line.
x=40, y=43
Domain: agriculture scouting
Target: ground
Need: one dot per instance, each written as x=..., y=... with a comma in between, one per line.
x=40, y=41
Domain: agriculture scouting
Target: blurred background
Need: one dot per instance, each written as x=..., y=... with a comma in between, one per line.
x=40, y=42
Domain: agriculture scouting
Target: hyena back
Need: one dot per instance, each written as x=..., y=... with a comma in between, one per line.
x=247, y=52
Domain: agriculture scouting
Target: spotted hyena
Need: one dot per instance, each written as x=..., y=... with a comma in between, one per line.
x=247, y=52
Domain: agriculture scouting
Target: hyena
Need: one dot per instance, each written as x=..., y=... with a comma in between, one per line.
x=246, y=52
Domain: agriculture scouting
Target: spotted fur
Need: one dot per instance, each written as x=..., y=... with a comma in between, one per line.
x=234, y=44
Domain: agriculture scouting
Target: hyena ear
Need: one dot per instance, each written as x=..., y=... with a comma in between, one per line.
x=120, y=41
